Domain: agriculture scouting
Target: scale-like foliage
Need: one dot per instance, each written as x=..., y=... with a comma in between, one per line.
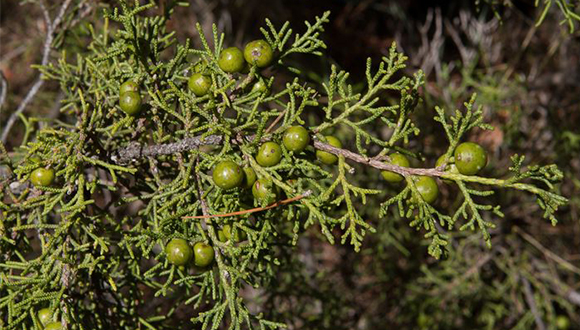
x=91, y=245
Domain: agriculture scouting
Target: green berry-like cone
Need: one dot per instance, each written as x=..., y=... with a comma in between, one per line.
x=249, y=178
x=427, y=187
x=399, y=160
x=203, y=254
x=260, y=87
x=259, y=53
x=228, y=175
x=128, y=86
x=44, y=316
x=53, y=326
x=42, y=177
x=264, y=190
x=450, y=167
x=231, y=60
x=199, y=84
x=470, y=158
x=562, y=322
x=227, y=232
x=326, y=157
x=269, y=154
x=178, y=252
x=130, y=103
x=296, y=138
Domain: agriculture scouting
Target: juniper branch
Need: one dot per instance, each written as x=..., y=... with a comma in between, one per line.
x=179, y=185
x=136, y=151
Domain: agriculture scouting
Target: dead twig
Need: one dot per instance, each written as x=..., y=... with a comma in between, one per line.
x=135, y=150
x=3, y=88
x=280, y=116
x=532, y=303
x=547, y=252
x=47, y=47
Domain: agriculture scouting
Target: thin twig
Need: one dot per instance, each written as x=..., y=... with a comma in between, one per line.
x=561, y=288
x=404, y=171
x=65, y=281
x=280, y=116
x=532, y=303
x=566, y=264
x=51, y=27
x=574, y=297
x=256, y=209
x=3, y=88
x=31, y=93
x=135, y=151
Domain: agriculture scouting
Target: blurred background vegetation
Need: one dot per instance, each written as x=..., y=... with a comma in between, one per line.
x=527, y=77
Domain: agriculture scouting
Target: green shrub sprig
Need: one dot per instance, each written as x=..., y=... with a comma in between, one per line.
x=91, y=245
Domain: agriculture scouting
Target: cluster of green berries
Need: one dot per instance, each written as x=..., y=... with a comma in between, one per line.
x=180, y=253
x=229, y=175
x=468, y=159
x=257, y=52
x=46, y=319
x=130, y=98
x=232, y=60
x=129, y=102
